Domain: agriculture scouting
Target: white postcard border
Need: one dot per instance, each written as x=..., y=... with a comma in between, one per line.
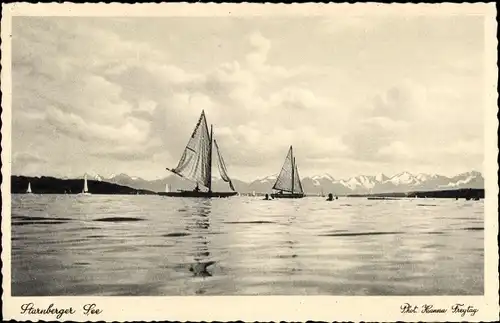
x=260, y=308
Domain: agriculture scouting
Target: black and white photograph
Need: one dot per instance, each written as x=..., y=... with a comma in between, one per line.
x=250, y=155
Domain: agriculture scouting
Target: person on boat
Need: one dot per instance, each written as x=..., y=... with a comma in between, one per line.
x=267, y=197
x=197, y=188
x=330, y=197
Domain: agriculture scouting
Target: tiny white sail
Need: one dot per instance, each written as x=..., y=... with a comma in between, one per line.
x=167, y=188
x=85, y=186
x=29, y=188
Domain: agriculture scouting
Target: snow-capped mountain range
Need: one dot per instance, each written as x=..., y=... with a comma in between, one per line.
x=362, y=184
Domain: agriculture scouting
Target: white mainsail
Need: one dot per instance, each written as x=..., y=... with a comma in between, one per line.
x=167, y=188
x=288, y=179
x=29, y=188
x=196, y=161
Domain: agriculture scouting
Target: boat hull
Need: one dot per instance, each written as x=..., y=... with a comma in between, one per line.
x=287, y=196
x=198, y=194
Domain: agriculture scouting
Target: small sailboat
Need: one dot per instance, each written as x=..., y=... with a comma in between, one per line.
x=28, y=191
x=288, y=180
x=85, y=186
x=196, y=164
x=167, y=188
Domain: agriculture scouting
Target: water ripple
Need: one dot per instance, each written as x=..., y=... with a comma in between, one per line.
x=176, y=234
x=473, y=229
x=353, y=234
x=38, y=222
x=249, y=222
x=118, y=219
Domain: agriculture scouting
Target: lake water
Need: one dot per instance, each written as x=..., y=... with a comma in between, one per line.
x=152, y=245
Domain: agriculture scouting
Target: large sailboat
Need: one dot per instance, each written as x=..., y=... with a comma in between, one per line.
x=288, y=182
x=196, y=164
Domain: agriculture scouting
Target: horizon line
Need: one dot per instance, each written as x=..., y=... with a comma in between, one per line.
x=236, y=178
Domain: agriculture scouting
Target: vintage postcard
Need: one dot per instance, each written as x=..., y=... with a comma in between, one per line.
x=253, y=162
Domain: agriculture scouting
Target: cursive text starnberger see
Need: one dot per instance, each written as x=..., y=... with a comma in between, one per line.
x=31, y=309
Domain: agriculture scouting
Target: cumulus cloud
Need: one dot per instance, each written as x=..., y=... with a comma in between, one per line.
x=60, y=80
x=399, y=102
x=130, y=130
x=261, y=47
x=396, y=150
x=27, y=163
x=87, y=87
x=383, y=124
x=28, y=158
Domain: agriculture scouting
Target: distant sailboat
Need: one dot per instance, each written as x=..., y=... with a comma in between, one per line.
x=28, y=191
x=196, y=164
x=85, y=186
x=167, y=188
x=288, y=180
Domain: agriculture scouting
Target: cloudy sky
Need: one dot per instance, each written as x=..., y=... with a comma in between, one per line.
x=353, y=95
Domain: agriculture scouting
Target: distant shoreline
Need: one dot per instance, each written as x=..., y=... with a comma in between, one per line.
x=52, y=185
x=457, y=193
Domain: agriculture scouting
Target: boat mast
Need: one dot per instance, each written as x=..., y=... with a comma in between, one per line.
x=210, y=158
x=293, y=167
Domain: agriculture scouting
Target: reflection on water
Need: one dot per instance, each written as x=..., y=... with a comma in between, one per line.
x=151, y=245
x=201, y=228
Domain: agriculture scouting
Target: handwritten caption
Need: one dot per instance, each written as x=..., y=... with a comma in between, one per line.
x=31, y=309
x=460, y=309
